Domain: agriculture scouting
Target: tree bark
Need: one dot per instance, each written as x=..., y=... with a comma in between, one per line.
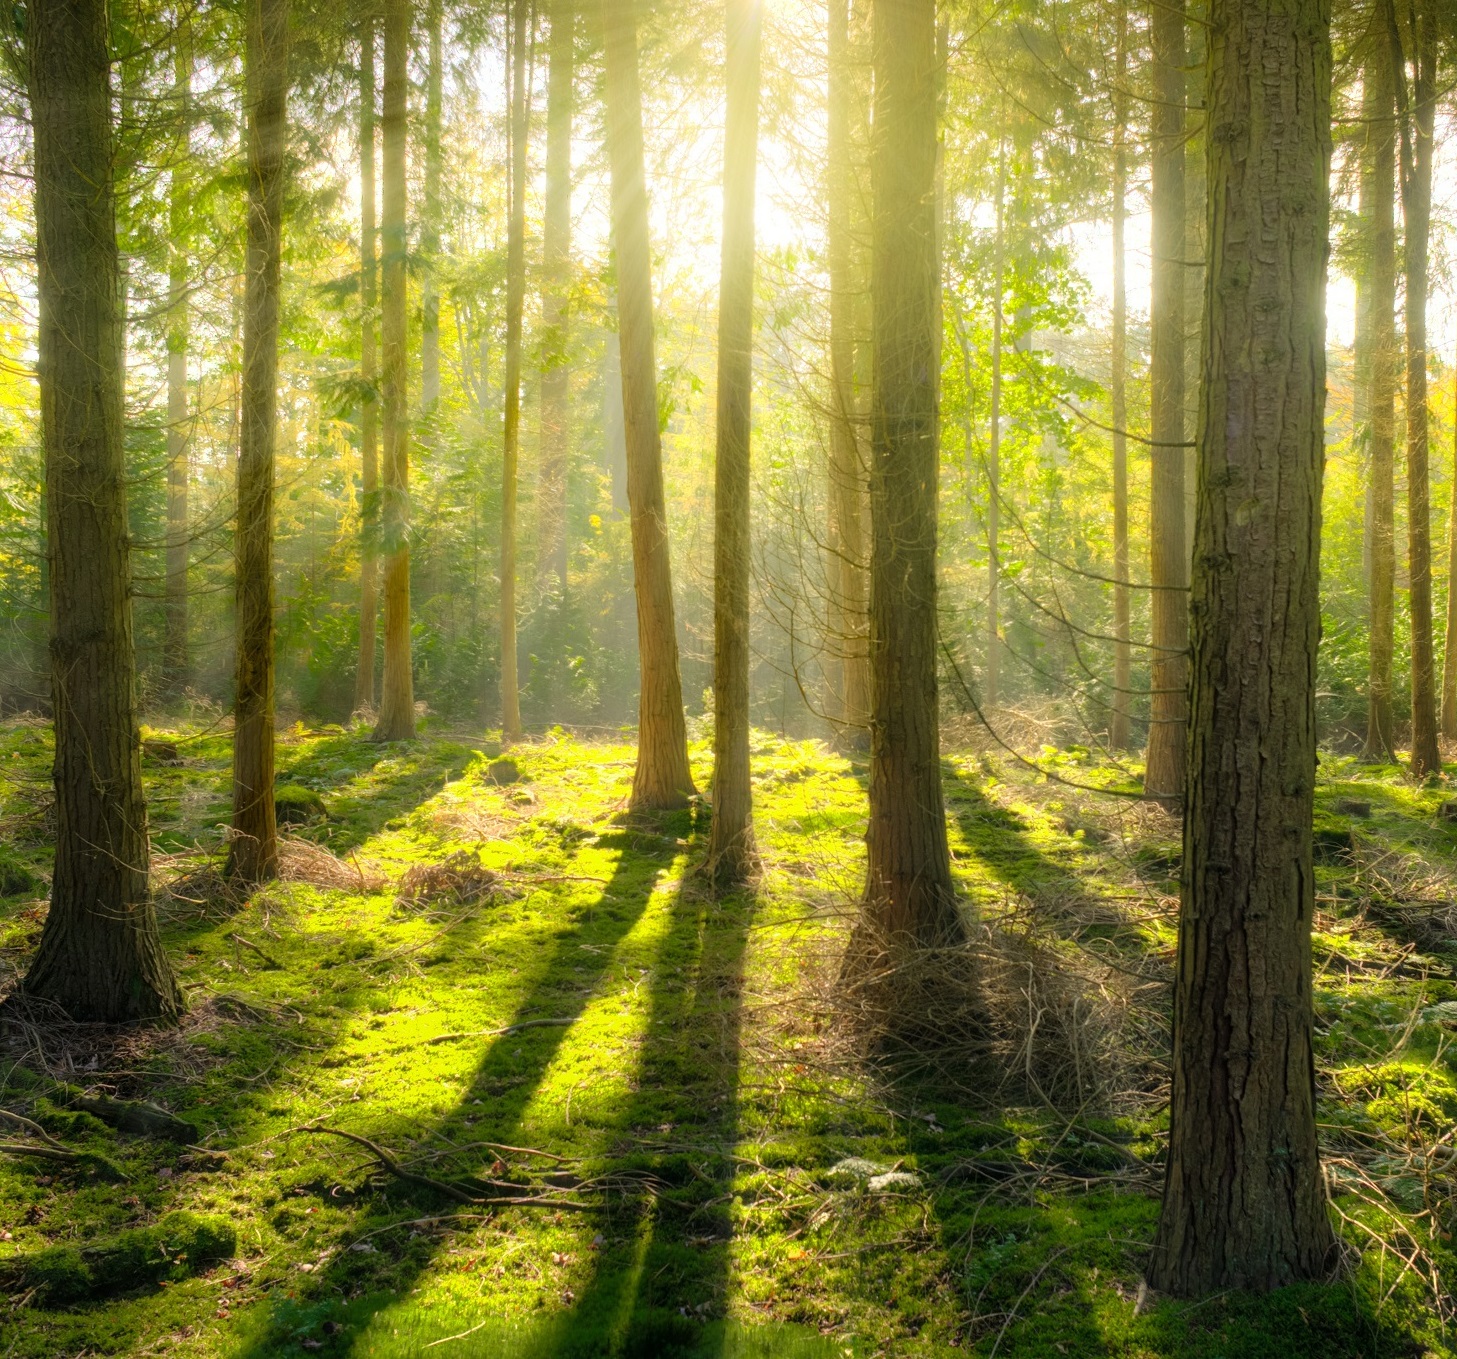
x=731, y=839
x=1119, y=736
x=100, y=957
x=848, y=584
x=397, y=692
x=253, y=843
x=1378, y=213
x=1244, y=1202
x=556, y=389
x=175, y=657
x=909, y=896
x=368, y=372
x=1416, y=113
x=662, y=778
x=1168, y=553
x=992, y=675
x=430, y=225
x=515, y=299
x=1449, y=653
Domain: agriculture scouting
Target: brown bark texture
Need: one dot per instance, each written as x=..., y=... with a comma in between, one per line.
x=515, y=300
x=662, y=778
x=909, y=896
x=397, y=690
x=1244, y=1202
x=175, y=656
x=99, y=957
x=253, y=838
x=1168, y=551
x=731, y=839
x=369, y=375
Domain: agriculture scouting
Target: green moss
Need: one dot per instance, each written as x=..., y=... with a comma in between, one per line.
x=296, y=805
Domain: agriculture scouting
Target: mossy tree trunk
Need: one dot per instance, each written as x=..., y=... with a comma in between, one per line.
x=662, y=778
x=100, y=957
x=253, y=843
x=1244, y=1202
x=731, y=840
x=369, y=375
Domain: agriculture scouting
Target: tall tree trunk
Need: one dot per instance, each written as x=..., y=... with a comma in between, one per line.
x=515, y=298
x=253, y=844
x=368, y=372
x=175, y=659
x=1244, y=1202
x=1415, y=118
x=662, y=778
x=992, y=678
x=1449, y=653
x=1168, y=554
x=99, y=957
x=397, y=696
x=556, y=249
x=909, y=896
x=731, y=840
x=849, y=617
x=1118, y=734
x=1196, y=204
x=430, y=225
x=1378, y=213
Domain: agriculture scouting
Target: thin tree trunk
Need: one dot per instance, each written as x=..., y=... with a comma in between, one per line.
x=1244, y=1201
x=1449, y=654
x=1378, y=212
x=1196, y=206
x=847, y=481
x=430, y=226
x=1119, y=734
x=368, y=372
x=556, y=390
x=397, y=692
x=515, y=298
x=909, y=896
x=175, y=657
x=731, y=839
x=1415, y=118
x=992, y=679
x=253, y=844
x=1168, y=554
x=662, y=778
x=100, y=957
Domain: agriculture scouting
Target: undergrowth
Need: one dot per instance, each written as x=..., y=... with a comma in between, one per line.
x=510, y=990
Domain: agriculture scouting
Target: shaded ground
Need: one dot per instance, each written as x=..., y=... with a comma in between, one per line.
x=678, y=1102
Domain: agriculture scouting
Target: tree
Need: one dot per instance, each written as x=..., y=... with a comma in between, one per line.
x=397, y=693
x=731, y=840
x=1377, y=374
x=430, y=220
x=556, y=250
x=515, y=297
x=662, y=778
x=847, y=479
x=100, y=958
x=1168, y=553
x=368, y=373
x=253, y=842
x=992, y=676
x=1244, y=1202
x=909, y=896
x=1416, y=113
x=1118, y=734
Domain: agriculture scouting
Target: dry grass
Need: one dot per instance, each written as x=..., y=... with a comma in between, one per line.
x=458, y=879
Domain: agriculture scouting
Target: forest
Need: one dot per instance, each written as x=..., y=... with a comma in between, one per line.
x=720, y=679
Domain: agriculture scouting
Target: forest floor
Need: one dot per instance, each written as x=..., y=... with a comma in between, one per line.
x=701, y=1160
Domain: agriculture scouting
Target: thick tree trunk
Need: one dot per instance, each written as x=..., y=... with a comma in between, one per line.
x=731, y=840
x=515, y=300
x=1244, y=1202
x=253, y=846
x=848, y=582
x=662, y=778
x=1168, y=553
x=1378, y=213
x=397, y=692
x=368, y=372
x=1118, y=731
x=556, y=249
x=1416, y=114
x=99, y=956
x=430, y=224
x=175, y=656
x=909, y=896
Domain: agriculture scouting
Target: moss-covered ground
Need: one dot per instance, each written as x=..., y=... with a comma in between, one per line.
x=659, y=1072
